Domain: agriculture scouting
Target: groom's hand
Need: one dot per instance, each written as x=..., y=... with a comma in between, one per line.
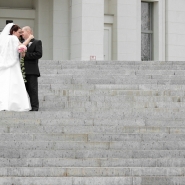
x=23, y=54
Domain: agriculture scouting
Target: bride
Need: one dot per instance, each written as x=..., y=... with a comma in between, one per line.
x=13, y=94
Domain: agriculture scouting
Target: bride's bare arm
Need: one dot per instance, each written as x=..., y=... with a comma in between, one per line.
x=26, y=42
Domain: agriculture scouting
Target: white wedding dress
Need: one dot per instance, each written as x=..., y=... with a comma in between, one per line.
x=13, y=94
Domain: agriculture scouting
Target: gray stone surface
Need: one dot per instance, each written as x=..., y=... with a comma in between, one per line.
x=99, y=123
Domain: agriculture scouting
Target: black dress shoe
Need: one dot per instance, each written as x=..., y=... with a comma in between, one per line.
x=34, y=110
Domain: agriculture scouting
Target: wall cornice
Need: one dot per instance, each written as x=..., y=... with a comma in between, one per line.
x=17, y=13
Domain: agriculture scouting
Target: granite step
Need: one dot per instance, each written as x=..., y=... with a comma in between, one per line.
x=98, y=145
x=90, y=172
x=138, y=75
x=155, y=137
x=92, y=162
x=146, y=113
x=126, y=122
x=64, y=129
x=153, y=180
x=125, y=70
x=113, y=98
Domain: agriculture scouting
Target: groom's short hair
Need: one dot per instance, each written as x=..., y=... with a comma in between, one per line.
x=27, y=28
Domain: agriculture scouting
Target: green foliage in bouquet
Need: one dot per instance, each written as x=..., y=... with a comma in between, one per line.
x=23, y=69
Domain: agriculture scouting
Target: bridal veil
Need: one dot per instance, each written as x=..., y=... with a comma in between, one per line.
x=8, y=48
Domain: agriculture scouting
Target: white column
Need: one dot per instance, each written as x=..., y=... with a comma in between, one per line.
x=128, y=42
x=175, y=30
x=93, y=29
x=113, y=11
x=43, y=24
x=76, y=30
x=52, y=20
x=87, y=29
x=61, y=30
x=159, y=30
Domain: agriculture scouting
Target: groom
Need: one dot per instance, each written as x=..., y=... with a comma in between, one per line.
x=33, y=54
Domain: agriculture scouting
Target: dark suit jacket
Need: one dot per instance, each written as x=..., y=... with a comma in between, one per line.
x=33, y=54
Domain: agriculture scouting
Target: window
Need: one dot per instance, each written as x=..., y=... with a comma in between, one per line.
x=146, y=31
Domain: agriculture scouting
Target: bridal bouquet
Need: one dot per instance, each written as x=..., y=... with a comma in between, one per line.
x=22, y=49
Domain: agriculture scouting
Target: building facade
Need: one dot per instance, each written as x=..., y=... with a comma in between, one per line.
x=128, y=30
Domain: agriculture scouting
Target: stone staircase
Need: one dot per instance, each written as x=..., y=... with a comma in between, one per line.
x=100, y=123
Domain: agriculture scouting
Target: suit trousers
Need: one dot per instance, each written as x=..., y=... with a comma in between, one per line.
x=32, y=89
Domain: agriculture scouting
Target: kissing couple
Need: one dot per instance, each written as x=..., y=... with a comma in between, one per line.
x=19, y=69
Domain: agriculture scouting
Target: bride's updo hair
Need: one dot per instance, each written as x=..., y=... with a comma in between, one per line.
x=14, y=28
